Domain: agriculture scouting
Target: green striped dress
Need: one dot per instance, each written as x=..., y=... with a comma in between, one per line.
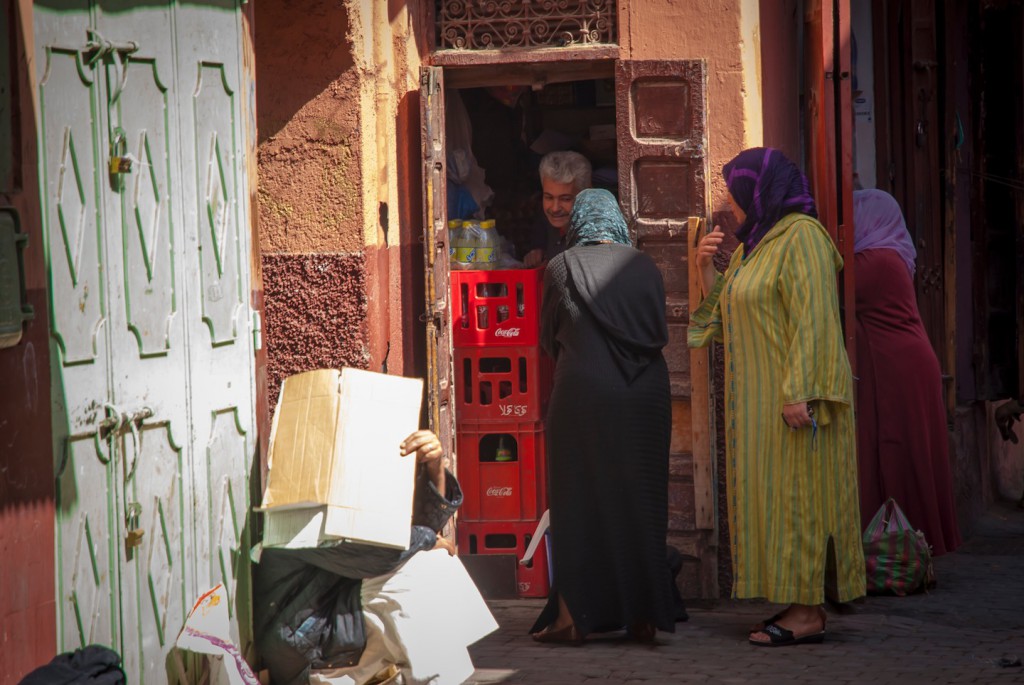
x=789, y=492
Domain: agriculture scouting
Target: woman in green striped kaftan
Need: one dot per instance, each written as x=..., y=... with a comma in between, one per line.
x=791, y=457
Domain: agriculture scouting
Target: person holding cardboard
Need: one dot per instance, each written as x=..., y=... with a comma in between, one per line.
x=350, y=613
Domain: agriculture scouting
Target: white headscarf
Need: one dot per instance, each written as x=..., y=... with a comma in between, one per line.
x=878, y=224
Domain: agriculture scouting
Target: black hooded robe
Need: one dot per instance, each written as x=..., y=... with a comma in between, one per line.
x=608, y=430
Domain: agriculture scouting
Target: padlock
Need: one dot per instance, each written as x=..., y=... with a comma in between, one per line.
x=120, y=162
x=134, y=538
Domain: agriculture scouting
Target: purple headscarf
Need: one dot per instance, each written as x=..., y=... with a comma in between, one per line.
x=878, y=224
x=767, y=186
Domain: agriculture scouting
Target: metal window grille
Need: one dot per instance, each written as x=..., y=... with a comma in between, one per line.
x=493, y=24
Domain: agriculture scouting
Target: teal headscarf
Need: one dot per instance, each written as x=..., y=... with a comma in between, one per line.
x=596, y=217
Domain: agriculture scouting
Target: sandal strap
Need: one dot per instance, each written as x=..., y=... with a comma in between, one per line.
x=777, y=633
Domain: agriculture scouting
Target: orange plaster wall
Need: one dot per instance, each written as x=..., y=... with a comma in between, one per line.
x=697, y=29
x=313, y=257
x=781, y=65
x=308, y=122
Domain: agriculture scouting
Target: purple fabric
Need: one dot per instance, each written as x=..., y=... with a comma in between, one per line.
x=878, y=224
x=767, y=186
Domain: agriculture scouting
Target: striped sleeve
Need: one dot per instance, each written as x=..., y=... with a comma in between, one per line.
x=706, y=320
x=816, y=366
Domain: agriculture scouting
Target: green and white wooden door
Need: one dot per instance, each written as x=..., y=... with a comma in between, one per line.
x=153, y=367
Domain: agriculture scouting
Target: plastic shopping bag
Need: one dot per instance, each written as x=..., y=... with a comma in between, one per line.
x=898, y=558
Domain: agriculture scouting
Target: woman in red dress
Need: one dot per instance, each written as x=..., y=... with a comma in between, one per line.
x=902, y=439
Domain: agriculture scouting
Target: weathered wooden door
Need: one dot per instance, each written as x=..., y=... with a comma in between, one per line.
x=145, y=214
x=910, y=143
x=440, y=371
x=662, y=160
x=830, y=139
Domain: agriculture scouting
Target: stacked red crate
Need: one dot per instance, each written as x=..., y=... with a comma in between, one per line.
x=502, y=383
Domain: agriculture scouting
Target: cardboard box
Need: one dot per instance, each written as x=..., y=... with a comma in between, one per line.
x=335, y=466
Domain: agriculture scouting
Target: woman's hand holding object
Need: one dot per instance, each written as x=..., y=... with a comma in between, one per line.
x=796, y=415
x=706, y=250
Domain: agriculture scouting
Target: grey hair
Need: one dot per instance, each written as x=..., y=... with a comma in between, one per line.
x=566, y=167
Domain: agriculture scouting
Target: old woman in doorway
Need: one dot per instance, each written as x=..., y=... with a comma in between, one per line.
x=608, y=428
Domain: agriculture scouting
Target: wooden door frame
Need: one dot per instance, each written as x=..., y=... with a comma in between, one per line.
x=679, y=146
x=830, y=139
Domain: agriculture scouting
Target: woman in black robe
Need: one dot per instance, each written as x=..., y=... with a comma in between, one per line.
x=608, y=430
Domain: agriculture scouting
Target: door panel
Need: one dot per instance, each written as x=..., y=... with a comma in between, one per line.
x=662, y=157
x=153, y=576
x=214, y=127
x=217, y=283
x=440, y=370
x=226, y=454
x=86, y=560
x=148, y=233
x=71, y=168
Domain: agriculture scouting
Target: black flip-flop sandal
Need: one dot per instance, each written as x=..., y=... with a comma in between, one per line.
x=780, y=637
x=767, y=622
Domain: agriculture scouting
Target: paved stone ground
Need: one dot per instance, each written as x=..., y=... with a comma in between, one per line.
x=957, y=633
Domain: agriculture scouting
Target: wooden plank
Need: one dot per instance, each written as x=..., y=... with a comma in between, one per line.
x=534, y=75
x=682, y=427
x=700, y=406
x=437, y=316
x=462, y=58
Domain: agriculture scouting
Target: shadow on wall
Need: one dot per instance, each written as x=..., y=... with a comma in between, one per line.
x=300, y=52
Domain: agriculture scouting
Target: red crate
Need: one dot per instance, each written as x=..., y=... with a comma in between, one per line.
x=513, y=490
x=496, y=307
x=501, y=383
x=506, y=537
